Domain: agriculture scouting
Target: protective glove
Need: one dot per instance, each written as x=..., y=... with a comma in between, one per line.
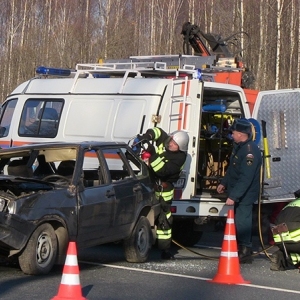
x=136, y=146
x=144, y=137
x=150, y=148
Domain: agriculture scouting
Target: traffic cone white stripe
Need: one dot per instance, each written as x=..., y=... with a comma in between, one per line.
x=230, y=237
x=71, y=260
x=230, y=221
x=229, y=254
x=70, y=279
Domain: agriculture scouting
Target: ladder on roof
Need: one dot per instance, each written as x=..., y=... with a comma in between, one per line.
x=179, y=94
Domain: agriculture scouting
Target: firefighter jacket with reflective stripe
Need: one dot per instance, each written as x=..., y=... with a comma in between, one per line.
x=166, y=164
x=290, y=215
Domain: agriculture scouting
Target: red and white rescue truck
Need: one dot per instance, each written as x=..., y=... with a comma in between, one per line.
x=118, y=99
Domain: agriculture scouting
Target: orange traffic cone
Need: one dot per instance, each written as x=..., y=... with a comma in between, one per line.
x=229, y=264
x=70, y=287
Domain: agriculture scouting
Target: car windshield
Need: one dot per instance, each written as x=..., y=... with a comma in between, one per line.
x=38, y=163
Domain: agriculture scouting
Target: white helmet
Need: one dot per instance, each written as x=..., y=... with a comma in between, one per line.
x=181, y=138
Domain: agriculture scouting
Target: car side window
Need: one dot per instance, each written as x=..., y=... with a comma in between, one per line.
x=117, y=163
x=134, y=163
x=92, y=170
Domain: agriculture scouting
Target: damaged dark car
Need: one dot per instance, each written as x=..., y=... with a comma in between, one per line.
x=91, y=193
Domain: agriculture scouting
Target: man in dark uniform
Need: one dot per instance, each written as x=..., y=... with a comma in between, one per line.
x=242, y=182
x=286, y=234
x=166, y=162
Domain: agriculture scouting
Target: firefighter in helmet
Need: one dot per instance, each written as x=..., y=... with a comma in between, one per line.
x=286, y=234
x=167, y=158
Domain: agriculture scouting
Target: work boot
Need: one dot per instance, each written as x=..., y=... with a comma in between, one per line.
x=245, y=255
x=277, y=261
x=280, y=263
x=167, y=255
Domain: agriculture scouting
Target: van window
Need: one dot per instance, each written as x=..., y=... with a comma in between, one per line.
x=40, y=118
x=7, y=112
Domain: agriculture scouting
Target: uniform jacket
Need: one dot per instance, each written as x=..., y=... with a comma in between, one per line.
x=171, y=162
x=242, y=178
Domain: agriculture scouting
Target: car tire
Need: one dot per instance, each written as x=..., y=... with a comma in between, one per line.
x=184, y=234
x=40, y=253
x=137, y=247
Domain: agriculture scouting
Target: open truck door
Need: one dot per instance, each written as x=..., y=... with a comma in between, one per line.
x=280, y=111
x=185, y=114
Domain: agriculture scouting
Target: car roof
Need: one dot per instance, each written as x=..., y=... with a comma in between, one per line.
x=84, y=144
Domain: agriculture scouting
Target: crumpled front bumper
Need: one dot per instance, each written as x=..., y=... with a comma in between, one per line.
x=14, y=233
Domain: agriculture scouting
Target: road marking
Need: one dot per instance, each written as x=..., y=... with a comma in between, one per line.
x=188, y=276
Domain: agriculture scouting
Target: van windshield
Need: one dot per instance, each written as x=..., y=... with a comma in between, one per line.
x=40, y=118
x=7, y=111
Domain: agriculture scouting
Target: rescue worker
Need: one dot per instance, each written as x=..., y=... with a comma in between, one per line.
x=288, y=255
x=242, y=182
x=166, y=162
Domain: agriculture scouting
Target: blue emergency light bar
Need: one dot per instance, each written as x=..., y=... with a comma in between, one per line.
x=52, y=71
x=197, y=74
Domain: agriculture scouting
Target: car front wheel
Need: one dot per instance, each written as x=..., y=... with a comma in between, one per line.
x=137, y=247
x=39, y=255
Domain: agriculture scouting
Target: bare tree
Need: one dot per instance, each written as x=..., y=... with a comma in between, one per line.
x=61, y=33
x=292, y=42
x=191, y=16
x=298, y=52
x=278, y=48
x=261, y=71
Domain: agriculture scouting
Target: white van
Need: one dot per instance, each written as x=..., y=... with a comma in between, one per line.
x=116, y=101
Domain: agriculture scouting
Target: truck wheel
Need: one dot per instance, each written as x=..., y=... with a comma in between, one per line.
x=39, y=255
x=137, y=247
x=184, y=234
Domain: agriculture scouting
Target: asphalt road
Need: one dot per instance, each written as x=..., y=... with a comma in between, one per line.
x=104, y=274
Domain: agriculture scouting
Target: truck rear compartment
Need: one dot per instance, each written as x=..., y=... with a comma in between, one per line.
x=219, y=110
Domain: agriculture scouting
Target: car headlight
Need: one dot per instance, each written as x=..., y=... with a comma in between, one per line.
x=11, y=207
x=2, y=204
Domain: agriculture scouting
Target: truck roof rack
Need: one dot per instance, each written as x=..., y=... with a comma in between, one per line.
x=173, y=66
x=161, y=65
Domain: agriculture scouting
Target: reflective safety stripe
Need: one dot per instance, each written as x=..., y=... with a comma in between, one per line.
x=293, y=204
x=157, y=133
x=229, y=254
x=229, y=237
x=157, y=164
x=164, y=234
x=71, y=260
x=293, y=236
x=168, y=215
x=295, y=258
x=167, y=196
x=160, y=149
x=230, y=221
x=70, y=279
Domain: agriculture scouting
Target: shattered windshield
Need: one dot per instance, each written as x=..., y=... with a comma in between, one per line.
x=38, y=163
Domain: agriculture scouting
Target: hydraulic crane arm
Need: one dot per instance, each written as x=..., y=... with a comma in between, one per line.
x=192, y=36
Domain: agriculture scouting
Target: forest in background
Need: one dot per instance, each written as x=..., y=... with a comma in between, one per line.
x=62, y=33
